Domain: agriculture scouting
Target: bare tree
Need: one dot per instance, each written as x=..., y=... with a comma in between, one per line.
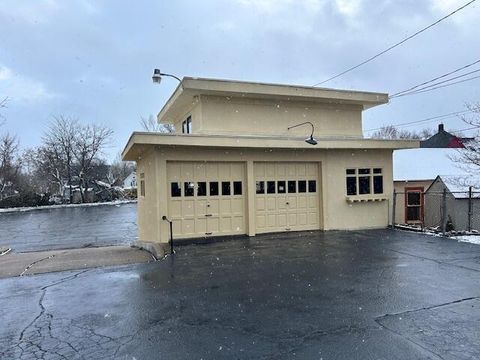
x=468, y=159
x=150, y=124
x=58, y=150
x=10, y=165
x=119, y=170
x=89, y=144
x=391, y=132
x=3, y=105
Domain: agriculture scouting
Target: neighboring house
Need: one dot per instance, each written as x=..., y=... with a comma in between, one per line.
x=409, y=202
x=130, y=182
x=457, y=202
x=234, y=167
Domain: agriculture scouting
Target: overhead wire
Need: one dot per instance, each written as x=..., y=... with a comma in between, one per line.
x=396, y=44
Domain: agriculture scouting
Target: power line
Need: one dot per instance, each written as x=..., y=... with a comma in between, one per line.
x=437, y=78
x=397, y=44
x=444, y=116
x=438, y=87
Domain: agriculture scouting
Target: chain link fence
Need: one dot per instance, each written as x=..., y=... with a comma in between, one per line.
x=439, y=211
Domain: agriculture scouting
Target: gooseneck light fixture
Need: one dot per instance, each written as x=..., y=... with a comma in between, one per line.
x=310, y=140
x=157, y=76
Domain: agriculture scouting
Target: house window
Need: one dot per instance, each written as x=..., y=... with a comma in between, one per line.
x=142, y=184
x=364, y=181
x=187, y=126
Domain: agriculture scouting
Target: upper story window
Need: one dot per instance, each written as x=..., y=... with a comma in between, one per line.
x=187, y=126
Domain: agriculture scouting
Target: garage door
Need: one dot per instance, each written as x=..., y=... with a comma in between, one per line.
x=206, y=198
x=287, y=197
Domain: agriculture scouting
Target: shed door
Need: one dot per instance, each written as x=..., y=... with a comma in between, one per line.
x=287, y=196
x=206, y=198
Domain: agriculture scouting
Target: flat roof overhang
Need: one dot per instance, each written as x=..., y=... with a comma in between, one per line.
x=140, y=141
x=190, y=88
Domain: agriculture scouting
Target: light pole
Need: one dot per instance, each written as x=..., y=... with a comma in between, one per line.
x=310, y=140
x=157, y=76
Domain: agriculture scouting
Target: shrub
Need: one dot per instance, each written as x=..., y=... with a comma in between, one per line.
x=27, y=199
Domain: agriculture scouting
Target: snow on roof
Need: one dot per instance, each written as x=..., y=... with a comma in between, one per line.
x=459, y=185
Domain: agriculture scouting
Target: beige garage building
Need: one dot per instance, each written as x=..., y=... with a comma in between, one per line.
x=233, y=167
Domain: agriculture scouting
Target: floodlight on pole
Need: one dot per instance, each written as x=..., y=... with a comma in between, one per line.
x=157, y=76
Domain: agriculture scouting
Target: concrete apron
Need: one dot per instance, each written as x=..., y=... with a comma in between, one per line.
x=21, y=264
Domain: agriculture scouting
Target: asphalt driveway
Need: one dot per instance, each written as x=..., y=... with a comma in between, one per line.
x=334, y=295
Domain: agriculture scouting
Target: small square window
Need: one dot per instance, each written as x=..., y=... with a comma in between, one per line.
x=270, y=187
x=188, y=188
x=351, y=172
x=292, y=187
x=201, y=188
x=226, y=188
x=364, y=171
x=175, y=189
x=302, y=186
x=213, y=188
x=281, y=187
x=377, y=171
x=237, y=188
x=260, y=187
x=312, y=186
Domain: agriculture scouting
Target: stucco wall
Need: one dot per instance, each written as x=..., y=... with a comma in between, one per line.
x=225, y=115
x=336, y=212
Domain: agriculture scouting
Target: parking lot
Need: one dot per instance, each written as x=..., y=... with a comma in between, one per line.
x=333, y=295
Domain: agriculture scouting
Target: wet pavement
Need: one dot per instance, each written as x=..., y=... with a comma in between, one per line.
x=65, y=228
x=335, y=295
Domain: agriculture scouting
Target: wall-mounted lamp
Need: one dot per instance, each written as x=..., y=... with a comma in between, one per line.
x=157, y=76
x=310, y=140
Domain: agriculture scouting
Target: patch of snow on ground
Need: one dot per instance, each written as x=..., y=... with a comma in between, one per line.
x=473, y=239
x=22, y=209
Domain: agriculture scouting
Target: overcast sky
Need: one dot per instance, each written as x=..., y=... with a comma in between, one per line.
x=93, y=60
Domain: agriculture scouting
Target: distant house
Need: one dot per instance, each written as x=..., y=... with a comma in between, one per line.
x=458, y=202
x=130, y=182
x=410, y=202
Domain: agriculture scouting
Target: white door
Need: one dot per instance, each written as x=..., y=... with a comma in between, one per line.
x=206, y=198
x=287, y=196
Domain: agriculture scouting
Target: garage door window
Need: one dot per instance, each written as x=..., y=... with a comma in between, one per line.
x=188, y=188
x=302, y=186
x=260, y=186
x=176, y=189
x=270, y=187
x=237, y=188
x=202, y=188
x=312, y=186
x=226, y=188
x=213, y=188
x=292, y=187
x=281, y=187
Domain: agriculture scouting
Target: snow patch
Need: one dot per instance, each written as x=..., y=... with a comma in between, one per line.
x=24, y=209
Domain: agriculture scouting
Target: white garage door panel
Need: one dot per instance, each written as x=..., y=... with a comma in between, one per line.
x=287, y=196
x=208, y=198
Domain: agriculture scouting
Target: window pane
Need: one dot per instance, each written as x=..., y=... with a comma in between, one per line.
x=270, y=187
x=237, y=188
x=413, y=213
x=364, y=185
x=184, y=127
x=225, y=187
x=413, y=198
x=214, y=188
x=281, y=187
x=142, y=187
x=364, y=171
x=292, y=186
x=302, y=186
x=202, y=188
x=260, y=185
x=176, y=189
x=378, y=184
x=188, y=188
x=351, y=185
x=189, y=125
x=350, y=171
x=377, y=171
x=312, y=186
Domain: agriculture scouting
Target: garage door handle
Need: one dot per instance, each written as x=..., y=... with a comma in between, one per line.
x=208, y=233
x=207, y=215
